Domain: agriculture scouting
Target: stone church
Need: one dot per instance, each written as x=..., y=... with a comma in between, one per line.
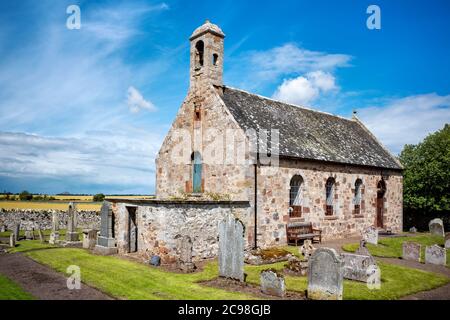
x=266, y=162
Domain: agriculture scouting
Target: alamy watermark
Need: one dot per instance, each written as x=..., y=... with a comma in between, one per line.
x=374, y=20
x=74, y=20
x=74, y=280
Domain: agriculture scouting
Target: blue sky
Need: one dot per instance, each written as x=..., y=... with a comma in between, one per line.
x=86, y=110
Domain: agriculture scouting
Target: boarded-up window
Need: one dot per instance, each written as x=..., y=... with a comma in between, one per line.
x=196, y=172
x=329, y=192
x=296, y=196
x=357, y=198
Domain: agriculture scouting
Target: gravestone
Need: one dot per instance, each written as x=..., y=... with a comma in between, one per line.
x=370, y=235
x=359, y=267
x=54, y=235
x=411, y=251
x=307, y=249
x=106, y=243
x=272, y=283
x=29, y=234
x=436, y=227
x=71, y=233
x=3, y=228
x=231, y=249
x=12, y=240
x=325, y=275
x=17, y=231
x=413, y=230
x=447, y=241
x=362, y=250
x=41, y=236
x=89, y=238
x=185, y=246
x=435, y=255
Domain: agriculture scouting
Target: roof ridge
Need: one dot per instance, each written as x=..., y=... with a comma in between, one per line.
x=290, y=104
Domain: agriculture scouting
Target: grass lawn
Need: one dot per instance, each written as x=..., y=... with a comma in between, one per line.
x=130, y=280
x=10, y=290
x=392, y=247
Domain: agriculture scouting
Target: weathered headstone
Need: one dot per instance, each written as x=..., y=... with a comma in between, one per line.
x=41, y=236
x=231, y=249
x=436, y=255
x=3, y=228
x=29, y=234
x=54, y=235
x=358, y=267
x=272, y=283
x=437, y=227
x=362, y=250
x=71, y=233
x=89, y=238
x=106, y=243
x=307, y=249
x=185, y=263
x=17, y=231
x=413, y=230
x=411, y=251
x=325, y=275
x=370, y=235
x=12, y=240
x=447, y=241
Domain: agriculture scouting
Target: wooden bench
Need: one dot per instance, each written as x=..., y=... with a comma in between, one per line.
x=296, y=231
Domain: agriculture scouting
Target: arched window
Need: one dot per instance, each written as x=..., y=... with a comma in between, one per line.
x=215, y=59
x=329, y=192
x=199, y=51
x=296, y=197
x=357, y=198
x=196, y=160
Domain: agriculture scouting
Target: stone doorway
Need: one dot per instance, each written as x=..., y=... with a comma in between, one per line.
x=132, y=230
x=381, y=191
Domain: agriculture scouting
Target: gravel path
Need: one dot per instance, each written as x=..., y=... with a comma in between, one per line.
x=43, y=282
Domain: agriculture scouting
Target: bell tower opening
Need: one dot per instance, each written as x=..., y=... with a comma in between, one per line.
x=199, y=51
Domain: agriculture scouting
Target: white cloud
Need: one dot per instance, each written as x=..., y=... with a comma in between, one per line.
x=407, y=120
x=305, y=89
x=136, y=101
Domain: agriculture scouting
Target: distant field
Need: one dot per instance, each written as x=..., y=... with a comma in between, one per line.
x=80, y=198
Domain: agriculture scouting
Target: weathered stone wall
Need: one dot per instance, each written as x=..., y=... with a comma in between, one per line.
x=29, y=218
x=161, y=224
x=273, y=199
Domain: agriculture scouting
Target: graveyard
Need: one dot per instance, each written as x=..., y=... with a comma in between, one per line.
x=225, y=278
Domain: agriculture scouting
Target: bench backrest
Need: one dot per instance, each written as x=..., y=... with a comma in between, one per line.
x=299, y=227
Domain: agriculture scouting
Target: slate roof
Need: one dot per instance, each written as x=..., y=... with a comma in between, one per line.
x=309, y=134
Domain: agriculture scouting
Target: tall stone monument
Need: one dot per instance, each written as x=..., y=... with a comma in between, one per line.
x=106, y=243
x=54, y=235
x=71, y=233
x=185, y=246
x=231, y=249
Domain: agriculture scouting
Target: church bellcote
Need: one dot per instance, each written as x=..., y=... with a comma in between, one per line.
x=206, y=55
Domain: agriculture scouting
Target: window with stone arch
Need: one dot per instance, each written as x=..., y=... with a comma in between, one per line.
x=199, y=52
x=358, y=196
x=215, y=59
x=296, y=197
x=330, y=189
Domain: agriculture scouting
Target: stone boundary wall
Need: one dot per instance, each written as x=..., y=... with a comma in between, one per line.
x=31, y=218
x=161, y=225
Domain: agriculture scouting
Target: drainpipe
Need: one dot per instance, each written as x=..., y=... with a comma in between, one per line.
x=256, y=201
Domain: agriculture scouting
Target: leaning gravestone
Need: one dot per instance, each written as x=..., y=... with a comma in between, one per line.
x=17, y=231
x=436, y=255
x=447, y=241
x=359, y=267
x=54, y=235
x=231, y=249
x=437, y=227
x=185, y=263
x=370, y=235
x=411, y=251
x=71, y=233
x=272, y=283
x=362, y=250
x=12, y=240
x=325, y=275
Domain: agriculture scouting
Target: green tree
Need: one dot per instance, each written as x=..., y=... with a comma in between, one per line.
x=99, y=197
x=25, y=196
x=426, y=184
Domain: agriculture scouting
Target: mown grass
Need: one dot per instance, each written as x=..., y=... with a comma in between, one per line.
x=9, y=290
x=392, y=247
x=130, y=280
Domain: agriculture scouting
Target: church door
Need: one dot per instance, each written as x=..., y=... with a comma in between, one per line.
x=381, y=190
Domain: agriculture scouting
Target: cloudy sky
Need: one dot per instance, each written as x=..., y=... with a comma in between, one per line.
x=86, y=110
